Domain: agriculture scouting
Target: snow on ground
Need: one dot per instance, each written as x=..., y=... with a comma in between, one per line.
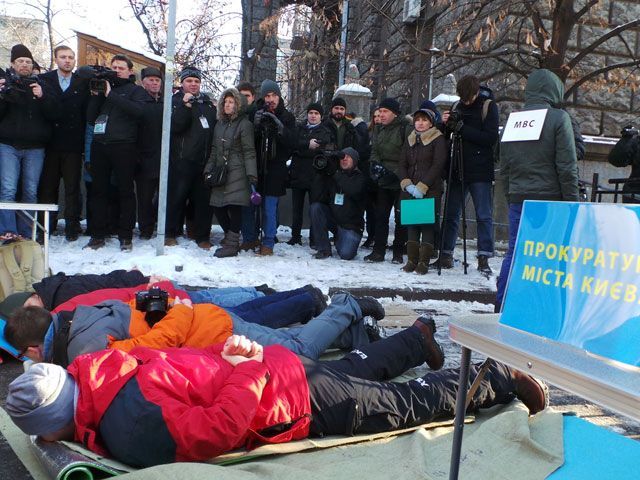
x=290, y=267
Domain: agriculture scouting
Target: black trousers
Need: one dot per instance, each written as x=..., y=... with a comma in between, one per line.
x=386, y=200
x=146, y=190
x=119, y=159
x=370, y=212
x=297, y=212
x=229, y=217
x=186, y=182
x=68, y=167
x=348, y=397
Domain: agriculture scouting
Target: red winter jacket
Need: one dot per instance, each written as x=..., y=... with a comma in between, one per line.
x=149, y=406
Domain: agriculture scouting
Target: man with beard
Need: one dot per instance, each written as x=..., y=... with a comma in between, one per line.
x=115, y=115
x=343, y=132
x=275, y=138
x=63, y=157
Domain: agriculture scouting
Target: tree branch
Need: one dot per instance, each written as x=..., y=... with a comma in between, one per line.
x=586, y=8
x=595, y=73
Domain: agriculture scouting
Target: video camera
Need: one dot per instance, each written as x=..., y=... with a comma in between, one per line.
x=154, y=302
x=629, y=131
x=327, y=162
x=98, y=76
x=14, y=83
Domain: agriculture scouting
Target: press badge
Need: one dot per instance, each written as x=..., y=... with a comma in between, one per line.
x=100, y=127
x=339, y=200
x=204, y=122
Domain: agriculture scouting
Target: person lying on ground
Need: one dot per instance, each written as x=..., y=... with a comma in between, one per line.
x=193, y=405
x=60, y=337
x=52, y=291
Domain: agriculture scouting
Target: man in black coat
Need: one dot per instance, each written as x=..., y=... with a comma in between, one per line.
x=149, y=143
x=63, y=158
x=115, y=114
x=27, y=110
x=339, y=206
x=192, y=123
x=275, y=138
x=343, y=133
x=313, y=138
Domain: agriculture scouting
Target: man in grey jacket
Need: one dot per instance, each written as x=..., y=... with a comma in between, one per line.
x=543, y=169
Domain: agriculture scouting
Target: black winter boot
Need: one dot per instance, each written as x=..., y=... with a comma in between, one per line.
x=229, y=246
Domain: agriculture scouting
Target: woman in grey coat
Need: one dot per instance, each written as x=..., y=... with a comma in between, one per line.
x=232, y=144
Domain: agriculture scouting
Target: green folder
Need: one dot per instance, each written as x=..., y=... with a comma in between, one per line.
x=418, y=211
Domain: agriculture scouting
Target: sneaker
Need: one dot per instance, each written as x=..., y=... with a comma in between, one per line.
x=95, y=243
x=374, y=257
x=374, y=331
x=483, y=265
x=126, y=245
x=170, y=242
x=433, y=350
x=531, y=391
x=319, y=299
x=370, y=307
x=320, y=255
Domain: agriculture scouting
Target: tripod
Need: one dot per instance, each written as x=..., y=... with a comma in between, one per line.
x=456, y=165
x=268, y=152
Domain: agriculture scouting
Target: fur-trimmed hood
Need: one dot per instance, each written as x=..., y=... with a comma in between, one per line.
x=241, y=105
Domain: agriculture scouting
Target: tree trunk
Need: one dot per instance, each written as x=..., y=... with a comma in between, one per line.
x=563, y=23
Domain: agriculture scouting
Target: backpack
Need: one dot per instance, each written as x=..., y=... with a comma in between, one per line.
x=21, y=265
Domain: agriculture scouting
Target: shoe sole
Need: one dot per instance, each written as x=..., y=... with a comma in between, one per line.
x=436, y=357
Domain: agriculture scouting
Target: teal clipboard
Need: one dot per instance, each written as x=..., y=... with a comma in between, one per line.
x=417, y=211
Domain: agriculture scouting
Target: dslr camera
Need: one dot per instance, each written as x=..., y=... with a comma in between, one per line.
x=98, y=76
x=455, y=121
x=629, y=131
x=14, y=83
x=154, y=302
x=327, y=162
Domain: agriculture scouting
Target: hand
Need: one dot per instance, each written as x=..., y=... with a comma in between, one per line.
x=252, y=180
x=36, y=89
x=238, y=349
x=2, y=82
x=276, y=120
x=186, y=98
x=313, y=144
x=155, y=279
x=186, y=302
x=445, y=116
x=107, y=88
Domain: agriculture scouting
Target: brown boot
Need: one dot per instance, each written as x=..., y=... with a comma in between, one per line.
x=532, y=392
x=413, y=249
x=170, y=242
x=205, y=245
x=265, y=251
x=426, y=252
x=230, y=245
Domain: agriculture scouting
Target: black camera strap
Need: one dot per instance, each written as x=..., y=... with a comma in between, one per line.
x=61, y=339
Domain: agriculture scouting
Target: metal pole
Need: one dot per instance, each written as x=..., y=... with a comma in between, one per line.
x=458, y=424
x=166, y=126
x=343, y=42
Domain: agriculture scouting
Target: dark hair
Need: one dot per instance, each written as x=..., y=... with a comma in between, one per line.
x=27, y=326
x=122, y=58
x=467, y=87
x=59, y=48
x=246, y=86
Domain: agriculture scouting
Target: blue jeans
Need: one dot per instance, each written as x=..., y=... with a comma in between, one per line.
x=249, y=230
x=339, y=325
x=483, y=203
x=270, y=220
x=515, y=211
x=278, y=310
x=15, y=163
x=346, y=241
x=226, y=297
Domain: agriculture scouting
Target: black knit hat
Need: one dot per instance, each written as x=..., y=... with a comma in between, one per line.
x=20, y=51
x=338, y=102
x=190, y=72
x=390, y=104
x=13, y=302
x=151, y=72
x=317, y=107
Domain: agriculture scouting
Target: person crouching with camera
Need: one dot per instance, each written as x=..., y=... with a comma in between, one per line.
x=626, y=153
x=420, y=169
x=231, y=169
x=340, y=203
x=27, y=111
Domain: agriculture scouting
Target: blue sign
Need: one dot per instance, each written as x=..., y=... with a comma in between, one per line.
x=575, y=277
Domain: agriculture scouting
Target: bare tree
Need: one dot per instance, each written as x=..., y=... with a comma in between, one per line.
x=200, y=37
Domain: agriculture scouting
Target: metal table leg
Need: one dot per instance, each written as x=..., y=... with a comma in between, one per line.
x=461, y=397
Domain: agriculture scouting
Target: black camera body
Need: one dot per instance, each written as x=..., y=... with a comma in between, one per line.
x=98, y=76
x=154, y=302
x=629, y=131
x=327, y=162
x=14, y=83
x=455, y=121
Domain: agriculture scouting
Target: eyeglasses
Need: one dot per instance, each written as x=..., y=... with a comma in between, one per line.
x=23, y=61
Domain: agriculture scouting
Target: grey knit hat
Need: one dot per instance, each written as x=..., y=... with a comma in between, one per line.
x=269, y=86
x=353, y=153
x=40, y=401
x=190, y=71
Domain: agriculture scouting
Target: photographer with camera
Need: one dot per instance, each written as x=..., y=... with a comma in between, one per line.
x=474, y=121
x=192, y=123
x=313, y=137
x=27, y=111
x=386, y=152
x=115, y=109
x=339, y=205
x=627, y=153
x=63, y=159
x=275, y=130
